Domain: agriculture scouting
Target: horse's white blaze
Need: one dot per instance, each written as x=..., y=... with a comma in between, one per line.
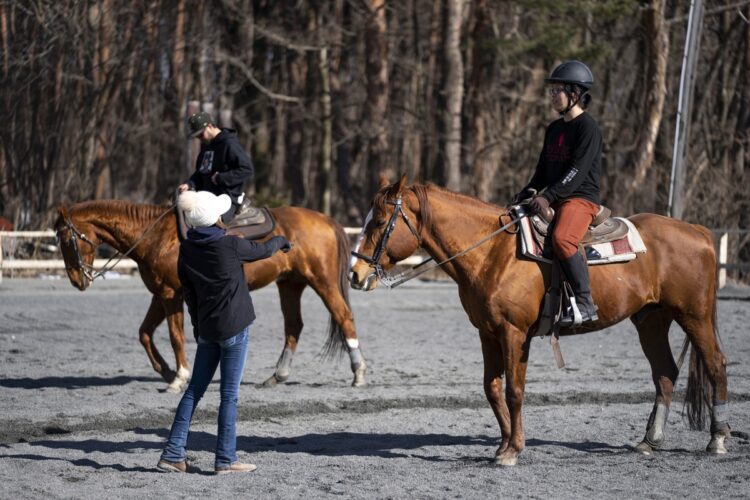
x=361, y=237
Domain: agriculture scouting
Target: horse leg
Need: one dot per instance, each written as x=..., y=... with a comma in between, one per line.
x=154, y=316
x=341, y=315
x=515, y=347
x=707, y=366
x=493, y=388
x=653, y=333
x=290, y=294
x=175, y=321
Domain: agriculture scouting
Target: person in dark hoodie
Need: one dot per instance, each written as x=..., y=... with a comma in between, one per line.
x=222, y=166
x=215, y=291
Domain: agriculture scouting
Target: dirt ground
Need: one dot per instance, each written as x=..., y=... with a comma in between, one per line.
x=84, y=416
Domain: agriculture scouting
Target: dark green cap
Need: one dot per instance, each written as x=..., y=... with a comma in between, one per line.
x=197, y=122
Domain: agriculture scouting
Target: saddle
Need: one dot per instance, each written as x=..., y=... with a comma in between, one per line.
x=604, y=227
x=249, y=222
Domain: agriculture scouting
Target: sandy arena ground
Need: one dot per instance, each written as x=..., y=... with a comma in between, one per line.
x=84, y=416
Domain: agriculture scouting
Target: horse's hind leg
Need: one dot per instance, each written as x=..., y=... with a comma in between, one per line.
x=154, y=316
x=290, y=293
x=652, y=324
x=707, y=380
x=343, y=319
x=493, y=388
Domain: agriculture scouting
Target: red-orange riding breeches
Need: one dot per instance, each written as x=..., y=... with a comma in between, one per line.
x=572, y=219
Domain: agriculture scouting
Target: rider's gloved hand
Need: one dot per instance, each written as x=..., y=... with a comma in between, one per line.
x=540, y=206
x=524, y=194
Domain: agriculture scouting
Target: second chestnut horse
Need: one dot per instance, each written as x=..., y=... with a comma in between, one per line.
x=675, y=280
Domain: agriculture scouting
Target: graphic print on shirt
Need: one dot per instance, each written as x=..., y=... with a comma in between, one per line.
x=207, y=162
x=557, y=150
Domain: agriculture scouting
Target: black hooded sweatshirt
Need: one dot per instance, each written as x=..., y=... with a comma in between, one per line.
x=213, y=281
x=225, y=156
x=570, y=163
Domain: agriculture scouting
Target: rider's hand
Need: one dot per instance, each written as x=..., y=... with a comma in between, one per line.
x=215, y=178
x=287, y=246
x=525, y=194
x=540, y=206
x=182, y=188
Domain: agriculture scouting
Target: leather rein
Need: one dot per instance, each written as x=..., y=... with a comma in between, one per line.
x=409, y=274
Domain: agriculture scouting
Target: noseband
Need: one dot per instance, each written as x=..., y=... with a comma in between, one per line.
x=76, y=235
x=374, y=261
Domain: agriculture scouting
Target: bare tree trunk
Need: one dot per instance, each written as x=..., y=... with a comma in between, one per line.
x=454, y=93
x=326, y=145
x=376, y=106
x=658, y=44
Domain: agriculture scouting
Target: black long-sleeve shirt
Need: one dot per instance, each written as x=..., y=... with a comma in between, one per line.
x=213, y=281
x=225, y=156
x=570, y=162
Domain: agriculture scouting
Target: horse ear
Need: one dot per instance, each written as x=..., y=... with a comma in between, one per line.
x=383, y=181
x=62, y=211
x=399, y=186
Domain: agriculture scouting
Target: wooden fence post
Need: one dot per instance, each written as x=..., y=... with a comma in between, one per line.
x=723, y=244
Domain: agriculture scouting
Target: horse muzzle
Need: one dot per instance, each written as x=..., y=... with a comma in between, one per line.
x=366, y=283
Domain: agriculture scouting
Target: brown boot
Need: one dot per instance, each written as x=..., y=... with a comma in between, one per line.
x=235, y=467
x=167, y=466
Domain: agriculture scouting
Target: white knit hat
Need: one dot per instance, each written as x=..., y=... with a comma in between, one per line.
x=202, y=208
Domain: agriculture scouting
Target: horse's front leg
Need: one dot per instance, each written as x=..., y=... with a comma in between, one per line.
x=515, y=348
x=175, y=321
x=154, y=316
x=493, y=387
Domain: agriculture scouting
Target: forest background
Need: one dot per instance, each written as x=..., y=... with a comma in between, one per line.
x=326, y=94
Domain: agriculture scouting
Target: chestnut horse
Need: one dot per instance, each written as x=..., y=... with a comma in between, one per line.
x=503, y=294
x=320, y=258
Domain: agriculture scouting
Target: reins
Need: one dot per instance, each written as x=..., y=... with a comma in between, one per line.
x=86, y=268
x=401, y=278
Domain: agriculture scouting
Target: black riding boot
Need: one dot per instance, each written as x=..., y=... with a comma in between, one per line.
x=577, y=272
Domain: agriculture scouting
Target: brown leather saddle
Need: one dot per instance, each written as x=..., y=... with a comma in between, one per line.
x=251, y=222
x=603, y=228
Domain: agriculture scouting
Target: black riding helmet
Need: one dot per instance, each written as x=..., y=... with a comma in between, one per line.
x=573, y=72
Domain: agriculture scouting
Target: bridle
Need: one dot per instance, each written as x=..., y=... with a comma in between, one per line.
x=374, y=261
x=75, y=235
x=394, y=281
x=88, y=270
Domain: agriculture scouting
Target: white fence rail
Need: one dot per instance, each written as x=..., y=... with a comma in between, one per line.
x=12, y=264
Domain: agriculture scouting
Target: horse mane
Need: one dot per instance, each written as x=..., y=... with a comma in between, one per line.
x=139, y=213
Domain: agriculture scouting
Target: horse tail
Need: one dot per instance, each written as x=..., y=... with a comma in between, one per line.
x=336, y=343
x=699, y=393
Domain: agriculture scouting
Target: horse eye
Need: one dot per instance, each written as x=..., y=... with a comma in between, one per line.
x=380, y=223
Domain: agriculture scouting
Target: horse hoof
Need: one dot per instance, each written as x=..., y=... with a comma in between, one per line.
x=175, y=387
x=274, y=380
x=506, y=461
x=716, y=445
x=644, y=448
x=359, y=376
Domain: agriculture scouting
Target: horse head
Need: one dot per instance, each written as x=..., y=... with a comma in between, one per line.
x=388, y=235
x=78, y=244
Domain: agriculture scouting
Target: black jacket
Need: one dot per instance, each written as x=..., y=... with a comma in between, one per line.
x=213, y=282
x=570, y=163
x=225, y=156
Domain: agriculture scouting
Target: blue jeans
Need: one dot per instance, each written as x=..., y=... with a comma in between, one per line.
x=230, y=355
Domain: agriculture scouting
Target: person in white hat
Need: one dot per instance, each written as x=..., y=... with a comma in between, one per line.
x=221, y=310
